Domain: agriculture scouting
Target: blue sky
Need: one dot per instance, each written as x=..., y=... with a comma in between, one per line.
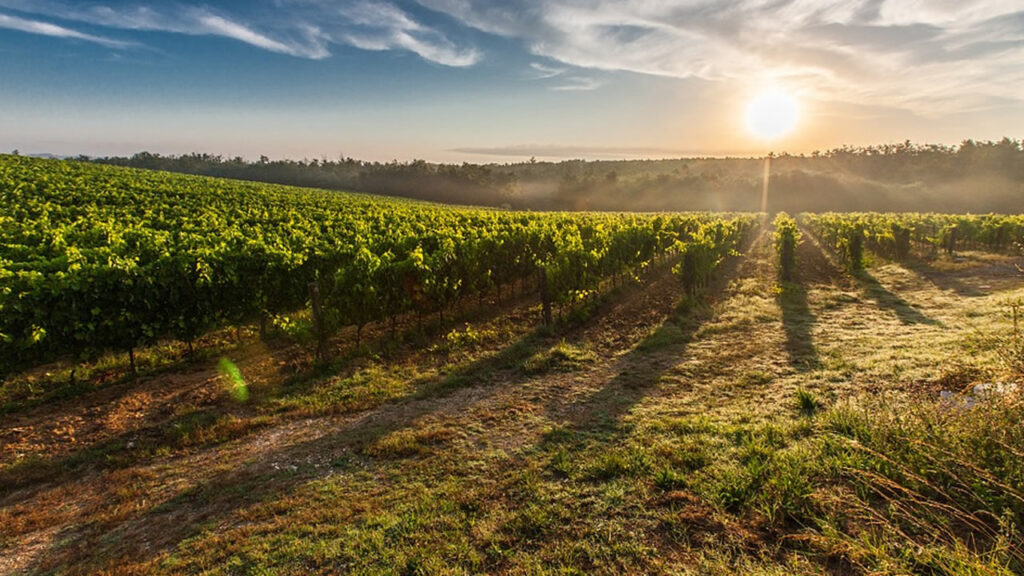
x=452, y=80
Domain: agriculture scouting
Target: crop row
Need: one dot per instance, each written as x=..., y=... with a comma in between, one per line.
x=903, y=235
x=96, y=258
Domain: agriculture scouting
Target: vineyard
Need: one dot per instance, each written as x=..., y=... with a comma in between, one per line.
x=206, y=376
x=903, y=236
x=95, y=259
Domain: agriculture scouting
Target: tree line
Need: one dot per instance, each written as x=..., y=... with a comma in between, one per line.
x=974, y=176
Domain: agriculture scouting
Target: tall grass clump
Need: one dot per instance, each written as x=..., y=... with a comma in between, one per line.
x=934, y=487
x=807, y=402
x=923, y=486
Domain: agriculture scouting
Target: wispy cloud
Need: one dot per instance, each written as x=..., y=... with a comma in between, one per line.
x=578, y=84
x=300, y=28
x=543, y=71
x=931, y=54
x=595, y=152
x=315, y=46
x=383, y=26
x=564, y=81
x=48, y=29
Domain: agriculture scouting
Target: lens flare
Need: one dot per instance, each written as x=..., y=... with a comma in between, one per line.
x=237, y=388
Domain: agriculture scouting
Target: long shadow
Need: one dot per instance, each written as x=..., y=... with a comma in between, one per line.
x=797, y=318
x=117, y=382
x=886, y=300
x=162, y=527
x=797, y=322
x=643, y=368
x=942, y=280
x=154, y=434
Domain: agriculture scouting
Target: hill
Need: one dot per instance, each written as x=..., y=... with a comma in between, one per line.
x=976, y=177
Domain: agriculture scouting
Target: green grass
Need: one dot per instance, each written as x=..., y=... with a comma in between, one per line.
x=562, y=357
x=807, y=402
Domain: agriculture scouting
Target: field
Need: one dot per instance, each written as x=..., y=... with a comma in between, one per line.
x=701, y=400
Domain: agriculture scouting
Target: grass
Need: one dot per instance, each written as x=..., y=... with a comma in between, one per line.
x=67, y=379
x=562, y=357
x=477, y=452
x=404, y=443
x=807, y=402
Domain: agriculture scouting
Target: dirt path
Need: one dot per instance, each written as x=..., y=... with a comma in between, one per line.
x=93, y=495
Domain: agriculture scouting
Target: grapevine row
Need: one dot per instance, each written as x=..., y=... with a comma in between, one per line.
x=901, y=236
x=787, y=236
x=96, y=258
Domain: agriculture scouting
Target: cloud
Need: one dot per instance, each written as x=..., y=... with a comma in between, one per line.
x=314, y=48
x=574, y=83
x=931, y=55
x=578, y=84
x=543, y=71
x=383, y=26
x=47, y=29
x=300, y=28
x=927, y=55
x=594, y=152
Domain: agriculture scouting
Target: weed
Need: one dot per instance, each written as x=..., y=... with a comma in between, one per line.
x=617, y=462
x=562, y=357
x=807, y=402
x=404, y=443
x=469, y=338
x=668, y=479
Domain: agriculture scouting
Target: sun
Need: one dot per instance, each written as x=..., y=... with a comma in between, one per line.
x=772, y=114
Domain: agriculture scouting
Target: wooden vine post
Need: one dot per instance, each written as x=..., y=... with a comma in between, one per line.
x=545, y=294
x=318, y=320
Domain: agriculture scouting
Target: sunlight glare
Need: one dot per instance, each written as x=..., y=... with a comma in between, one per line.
x=772, y=114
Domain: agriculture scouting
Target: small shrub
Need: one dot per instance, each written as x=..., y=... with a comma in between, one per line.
x=467, y=339
x=855, y=249
x=297, y=328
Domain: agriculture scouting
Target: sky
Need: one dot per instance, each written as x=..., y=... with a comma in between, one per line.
x=470, y=80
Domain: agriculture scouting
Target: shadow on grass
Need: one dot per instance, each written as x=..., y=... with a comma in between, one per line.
x=163, y=432
x=110, y=373
x=220, y=494
x=160, y=527
x=942, y=280
x=642, y=369
x=797, y=322
x=886, y=300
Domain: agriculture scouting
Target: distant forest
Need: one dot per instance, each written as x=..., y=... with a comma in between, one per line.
x=972, y=177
